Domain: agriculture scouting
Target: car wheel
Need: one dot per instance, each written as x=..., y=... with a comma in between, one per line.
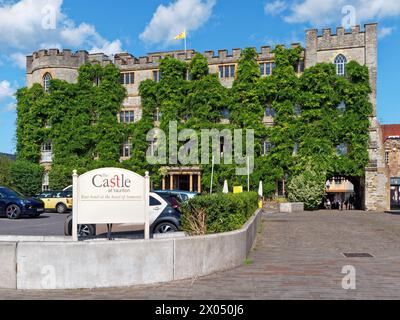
x=13, y=212
x=86, y=230
x=61, y=208
x=165, y=227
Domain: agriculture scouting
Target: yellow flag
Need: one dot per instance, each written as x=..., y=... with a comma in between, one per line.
x=181, y=36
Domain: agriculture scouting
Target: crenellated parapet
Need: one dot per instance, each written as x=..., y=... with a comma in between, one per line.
x=54, y=58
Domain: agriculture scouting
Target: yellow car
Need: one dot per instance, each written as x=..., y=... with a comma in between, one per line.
x=60, y=201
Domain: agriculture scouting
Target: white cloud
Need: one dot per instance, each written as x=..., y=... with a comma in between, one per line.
x=275, y=7
x=322, y=13
x=109, y=48
x=385, y=31
x=6, y=91
x=19, y=59
x=11, y=107
x=169, y=21
x=27, y=25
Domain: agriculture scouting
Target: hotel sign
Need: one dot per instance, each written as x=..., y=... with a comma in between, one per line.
x=111, y=196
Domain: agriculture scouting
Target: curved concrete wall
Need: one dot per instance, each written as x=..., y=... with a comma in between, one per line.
x=50, y=263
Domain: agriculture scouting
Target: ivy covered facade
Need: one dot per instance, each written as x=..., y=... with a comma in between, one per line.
x=308, y=112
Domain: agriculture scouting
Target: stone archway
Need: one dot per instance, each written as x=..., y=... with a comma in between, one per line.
x=344, y=188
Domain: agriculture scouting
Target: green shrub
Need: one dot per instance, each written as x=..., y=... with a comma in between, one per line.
x=223, y=212
x=27, y=177
x=307, y=187
x=5, y=167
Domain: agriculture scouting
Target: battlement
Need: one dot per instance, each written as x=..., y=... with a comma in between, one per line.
x=127, y=61
x=327, y=40
x=54, y=58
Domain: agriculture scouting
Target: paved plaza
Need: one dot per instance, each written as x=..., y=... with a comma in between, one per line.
x=296, y=256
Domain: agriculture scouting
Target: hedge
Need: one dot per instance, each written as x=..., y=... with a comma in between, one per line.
x=218, y=213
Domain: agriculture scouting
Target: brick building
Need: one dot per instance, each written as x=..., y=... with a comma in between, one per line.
x=339, y=48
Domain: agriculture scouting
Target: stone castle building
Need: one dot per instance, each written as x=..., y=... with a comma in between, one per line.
x=339, y=48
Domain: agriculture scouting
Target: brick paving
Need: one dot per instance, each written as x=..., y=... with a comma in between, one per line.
x=296, y=256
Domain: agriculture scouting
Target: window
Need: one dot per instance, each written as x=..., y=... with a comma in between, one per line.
x=156, y=76
x=227, y=71
x=226, y=114
x=97, y=81
x=387, y=157
x=297, y=110
x=157, y=115
x=341, y=150
x=342, y=106
x=45, y=183
x=296, y=149
x=154, y=202
x=47, y=147
x=128, y=78
x=126, y=150
x=46, y=82
x=127, y=117
x=270, y=112
x=267, y=147
x=300, y=66
x=266, y=68
x=153, y=145
x=340, y=62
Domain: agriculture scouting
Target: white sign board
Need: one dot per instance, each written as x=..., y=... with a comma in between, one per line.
x=111, y=196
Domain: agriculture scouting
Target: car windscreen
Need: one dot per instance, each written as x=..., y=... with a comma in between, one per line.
x=7, y=193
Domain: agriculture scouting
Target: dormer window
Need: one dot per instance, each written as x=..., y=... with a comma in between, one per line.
x=46, y=82
x=340, y=62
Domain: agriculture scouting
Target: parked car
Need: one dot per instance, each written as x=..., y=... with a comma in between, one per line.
x=60, y=201
x=173, y=199
x=182, y=195
x=14, y=205
x=163, y=219
x=68, y=189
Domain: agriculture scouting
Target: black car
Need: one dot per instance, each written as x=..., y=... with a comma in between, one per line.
x=14, y=205
x=164, y=218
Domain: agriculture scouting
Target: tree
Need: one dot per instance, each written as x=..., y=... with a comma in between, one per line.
x=5, y=167
x=27, y=177
x=307, y=187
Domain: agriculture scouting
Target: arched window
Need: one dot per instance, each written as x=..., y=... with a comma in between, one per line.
x=46, y=82
x=340, y=62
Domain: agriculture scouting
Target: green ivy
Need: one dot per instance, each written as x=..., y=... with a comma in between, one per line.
x=86, y=134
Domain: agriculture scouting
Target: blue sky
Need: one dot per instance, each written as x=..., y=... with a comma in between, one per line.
x=148, y=26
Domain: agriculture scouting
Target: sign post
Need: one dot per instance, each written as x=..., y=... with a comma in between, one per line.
x=147, y=206
x=111, y=196
x=75, y=209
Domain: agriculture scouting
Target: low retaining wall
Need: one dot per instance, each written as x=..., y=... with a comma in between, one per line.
x=56, y=263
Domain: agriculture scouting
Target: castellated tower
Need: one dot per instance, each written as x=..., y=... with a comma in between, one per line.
x=360, y=46
x=58, y=64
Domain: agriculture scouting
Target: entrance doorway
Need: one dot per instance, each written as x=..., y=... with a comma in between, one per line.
x=185, y=179
x=343, y=193
x=395, y=193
